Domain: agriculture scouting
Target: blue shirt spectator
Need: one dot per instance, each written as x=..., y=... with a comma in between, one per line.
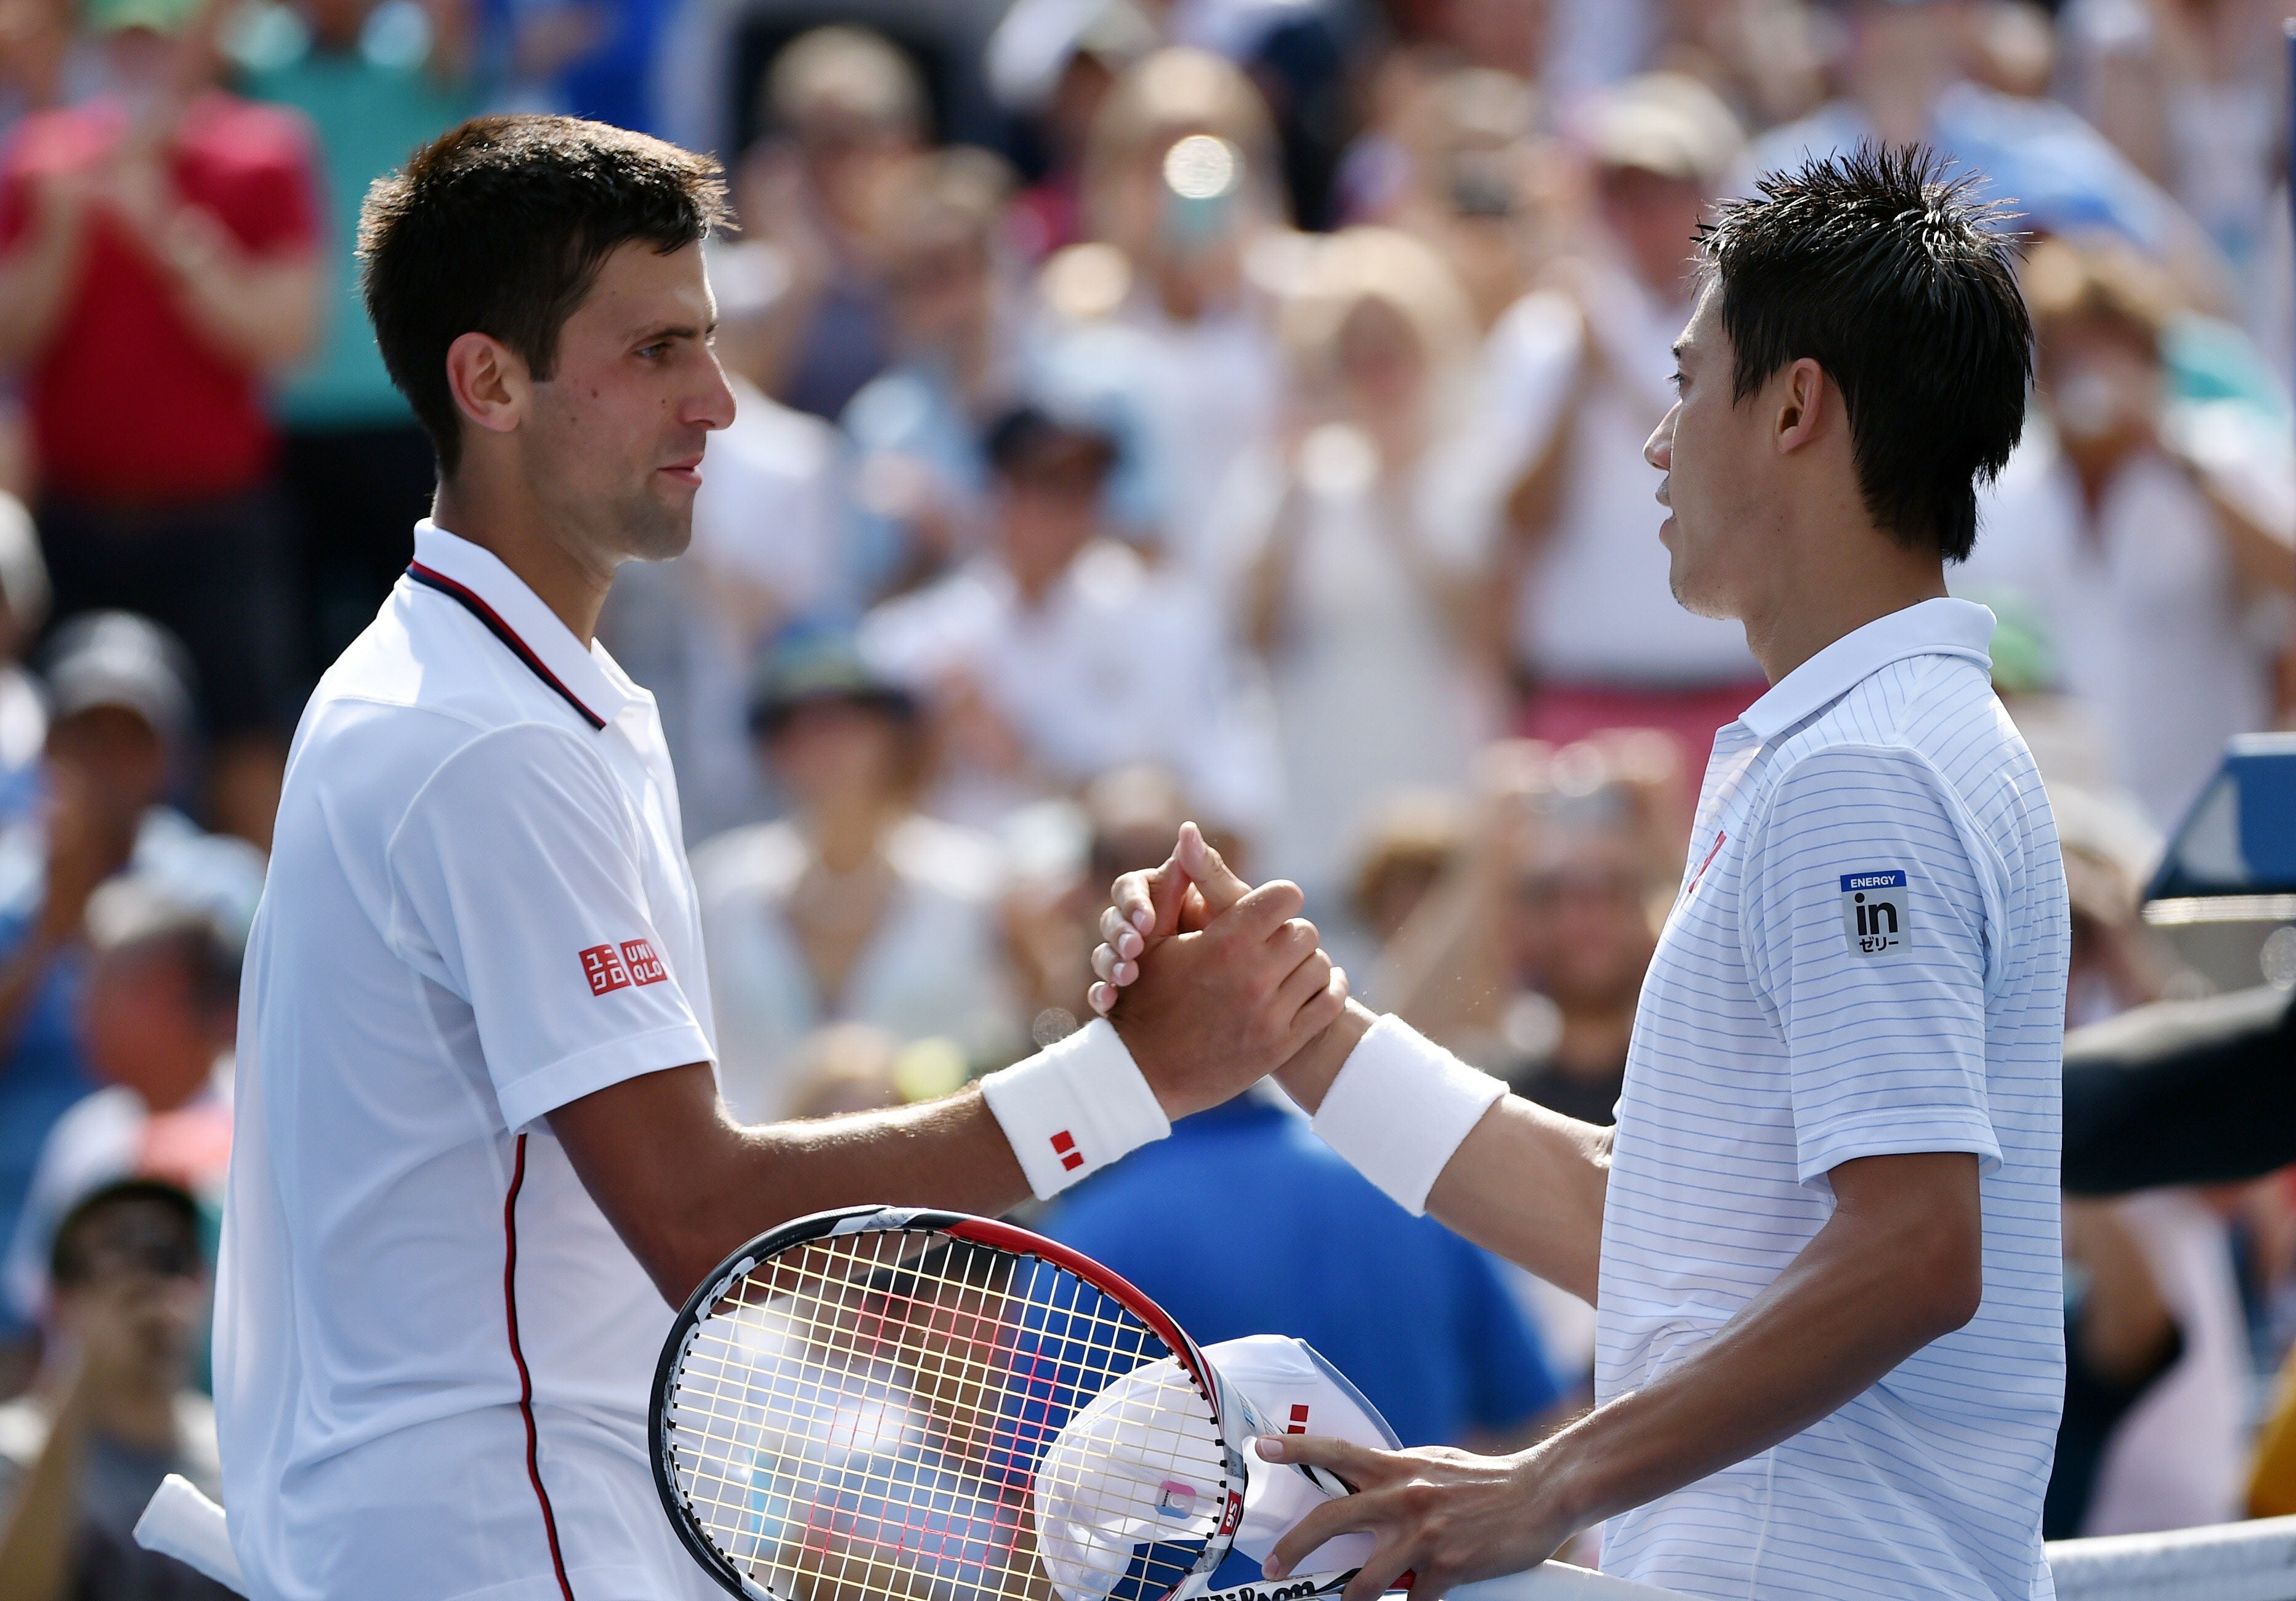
x=1243, y=1222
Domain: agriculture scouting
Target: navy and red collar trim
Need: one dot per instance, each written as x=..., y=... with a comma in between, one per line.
x=469, y=602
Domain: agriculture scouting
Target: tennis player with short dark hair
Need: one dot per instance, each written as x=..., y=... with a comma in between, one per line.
x=1823, y=1238
x=479, y=1147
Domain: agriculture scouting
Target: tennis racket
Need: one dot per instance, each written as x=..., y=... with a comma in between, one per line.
x=890, y=1404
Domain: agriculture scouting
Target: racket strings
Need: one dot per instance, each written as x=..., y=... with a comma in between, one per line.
x=869, y=1416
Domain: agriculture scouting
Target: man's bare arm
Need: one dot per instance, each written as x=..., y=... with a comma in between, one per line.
x=1900, y=1264
x=684, y=1184
x=1528, y=1184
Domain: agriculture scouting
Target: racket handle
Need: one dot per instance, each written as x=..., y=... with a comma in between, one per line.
x=181, y=1522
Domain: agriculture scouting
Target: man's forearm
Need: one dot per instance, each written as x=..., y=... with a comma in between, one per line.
x=1527, y=1184
x=1865, y=1293
x=691, y=1201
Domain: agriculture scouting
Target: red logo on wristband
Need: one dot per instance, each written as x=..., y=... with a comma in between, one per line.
x=1299, y=1419
x=1064, y=1147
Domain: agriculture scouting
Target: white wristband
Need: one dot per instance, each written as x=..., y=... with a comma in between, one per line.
x=1074, y=1108
x=1400, y=1107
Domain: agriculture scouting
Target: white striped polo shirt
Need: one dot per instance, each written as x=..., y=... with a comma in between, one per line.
x=1867, y=956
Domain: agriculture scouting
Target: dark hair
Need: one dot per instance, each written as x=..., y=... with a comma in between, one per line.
x=499, y=227
x=1027, y=434
x=68, y=1257
x=1903, y=286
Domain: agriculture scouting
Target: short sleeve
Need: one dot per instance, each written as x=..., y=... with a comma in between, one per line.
x=516, y=878
x=1864, y=930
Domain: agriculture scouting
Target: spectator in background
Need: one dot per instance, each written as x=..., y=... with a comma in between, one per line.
x=846, y=1067
x=1454, y=158
x=1062, y=655
x=1906, y=77
x=1416, y=1317
x=1363, y=571
x=23, y=609
x=45, y=61
x=2155, y=541
x=772, y=544
x=2121, y=1336
x=158, y=264
x=1051, y=63
x=1415, y=843
x=594, y=59
x=119, y=714
x=847, y=115
x=916, y=426
x=2197, y=95
x=1763, y=57
x=2157, y=1404
x=375, y=80
x=1578, y=378
x=1183, y=180
x=160, y=1016
x=853, y=907
x=1529, y=955
x=113, y=1413
x=1064, y=857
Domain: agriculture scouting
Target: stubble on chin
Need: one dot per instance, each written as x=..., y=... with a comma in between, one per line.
x=654, y=529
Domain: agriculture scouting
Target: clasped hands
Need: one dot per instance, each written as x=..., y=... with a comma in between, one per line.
x=1212, y=984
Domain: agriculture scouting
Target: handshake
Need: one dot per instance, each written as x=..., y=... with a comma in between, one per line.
x=1212, y=984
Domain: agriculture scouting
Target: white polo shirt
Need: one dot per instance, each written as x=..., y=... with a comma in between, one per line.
x=1867, y=957
x=432, y=1352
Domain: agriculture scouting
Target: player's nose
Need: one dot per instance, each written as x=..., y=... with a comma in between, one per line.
x=1657, y=450
x=714, y=404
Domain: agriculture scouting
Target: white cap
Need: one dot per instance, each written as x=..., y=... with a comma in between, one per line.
x=1132, y=1483
x=1289, y=1384
x=1134, y=1488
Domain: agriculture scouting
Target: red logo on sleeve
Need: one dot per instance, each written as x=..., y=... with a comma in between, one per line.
x=1064, y=1148
x=603, y=967
x=611, y=967
x=646, y=967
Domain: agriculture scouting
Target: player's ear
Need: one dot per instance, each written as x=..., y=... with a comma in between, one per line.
x=490, y=382
x=1799, y=420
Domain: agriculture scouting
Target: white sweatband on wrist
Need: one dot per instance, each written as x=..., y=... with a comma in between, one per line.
x=1074, y=1108
x=1400, y=1107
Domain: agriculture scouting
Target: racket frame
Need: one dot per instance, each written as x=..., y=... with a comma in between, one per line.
x=1229, y=1409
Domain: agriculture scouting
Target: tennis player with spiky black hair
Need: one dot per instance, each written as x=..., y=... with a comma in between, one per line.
x=1823, y=1238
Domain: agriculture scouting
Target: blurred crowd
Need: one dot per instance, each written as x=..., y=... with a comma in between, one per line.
x=1149, y=410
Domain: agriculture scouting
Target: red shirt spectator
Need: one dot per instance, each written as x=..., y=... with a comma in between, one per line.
x=129, y=402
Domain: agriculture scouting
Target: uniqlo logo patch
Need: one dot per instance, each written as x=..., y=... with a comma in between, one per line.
x=646, y=967
x=603, y=967
x=1298, y=1425
x=1064, y=1148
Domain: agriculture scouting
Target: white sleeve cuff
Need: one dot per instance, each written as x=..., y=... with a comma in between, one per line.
x=1074, y=1108
x=1400, y=1107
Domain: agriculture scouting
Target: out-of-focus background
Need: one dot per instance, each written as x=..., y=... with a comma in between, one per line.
x=1149, y=409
